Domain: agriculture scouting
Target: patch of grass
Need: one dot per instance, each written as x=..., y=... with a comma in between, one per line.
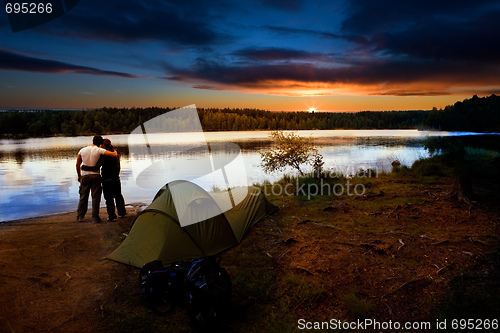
x=407, y=267
x=256, y=292
x=469, y=298
x=127, y=312
x=251, y=284
x=402, y=170
x=430, y=167
x=480, y=154
x=143, y=322
x=417, y=230
x=356, y=305
x=266, y=317
x=300, y=291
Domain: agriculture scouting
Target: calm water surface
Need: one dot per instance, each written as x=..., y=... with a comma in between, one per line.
x=38, y=176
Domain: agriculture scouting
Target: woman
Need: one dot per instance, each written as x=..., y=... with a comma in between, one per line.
x=111, y=185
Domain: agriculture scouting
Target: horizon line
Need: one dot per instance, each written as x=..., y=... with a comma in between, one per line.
x=34, y=109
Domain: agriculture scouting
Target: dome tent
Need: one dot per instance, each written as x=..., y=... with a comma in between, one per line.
x=157, y=233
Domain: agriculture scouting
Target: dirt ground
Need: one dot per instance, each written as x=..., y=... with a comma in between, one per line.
x=53, y=274
x=401, y=246
x=407, y=248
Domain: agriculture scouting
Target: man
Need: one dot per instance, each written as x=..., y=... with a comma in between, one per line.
x=90, y=181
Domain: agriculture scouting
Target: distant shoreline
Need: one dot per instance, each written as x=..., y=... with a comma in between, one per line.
x=260, y=130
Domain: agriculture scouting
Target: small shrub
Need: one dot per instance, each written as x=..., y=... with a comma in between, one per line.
x=291, y=150
x=400, y=170
x=428, y=167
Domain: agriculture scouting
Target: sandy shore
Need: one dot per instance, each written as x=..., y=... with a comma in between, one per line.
x=53, y=273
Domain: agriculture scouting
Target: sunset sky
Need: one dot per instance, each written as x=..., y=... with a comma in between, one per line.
x=267, y=54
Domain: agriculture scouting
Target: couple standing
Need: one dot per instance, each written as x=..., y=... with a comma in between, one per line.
x=99, y=156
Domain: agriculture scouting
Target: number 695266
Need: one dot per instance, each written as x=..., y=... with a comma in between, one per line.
x=28, y=8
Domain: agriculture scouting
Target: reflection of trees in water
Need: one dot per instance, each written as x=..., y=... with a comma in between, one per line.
x=455, y=143
x=254, y=145
x=122, y=150
x=180, y=150
x=369, y=141
x=46, y=154
x=390, y=142
x=19, y=156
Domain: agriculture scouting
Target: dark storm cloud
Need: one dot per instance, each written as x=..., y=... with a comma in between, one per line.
x=362, y=73
x=442, y=30
x=180, y=22
x=469, y=41
x=446, y=43
x=366, y=16
x=19, y=62
x=389, y=42
x=277, y=54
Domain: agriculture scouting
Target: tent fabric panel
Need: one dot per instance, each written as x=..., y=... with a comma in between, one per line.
x=270, y=207
x=163, y=202
x=179, y=245
x=152, y=235
x=174, y=198
x=144, y=241
x=212, y=235
x=249, y=211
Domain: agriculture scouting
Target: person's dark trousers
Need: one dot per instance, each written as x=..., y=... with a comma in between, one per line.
x=90, y=184
x=112, y=190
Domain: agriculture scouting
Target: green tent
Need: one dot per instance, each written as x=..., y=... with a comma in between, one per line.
x=158, y=232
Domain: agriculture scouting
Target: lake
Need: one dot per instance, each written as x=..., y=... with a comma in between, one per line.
x=38, y=175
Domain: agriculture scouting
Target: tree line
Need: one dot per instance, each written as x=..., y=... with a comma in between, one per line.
x=476, y=114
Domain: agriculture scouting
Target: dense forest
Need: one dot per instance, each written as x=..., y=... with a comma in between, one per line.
x=476, y=114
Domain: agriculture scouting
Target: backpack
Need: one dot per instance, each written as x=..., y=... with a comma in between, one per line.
x=163, y=286
x=208, y=294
